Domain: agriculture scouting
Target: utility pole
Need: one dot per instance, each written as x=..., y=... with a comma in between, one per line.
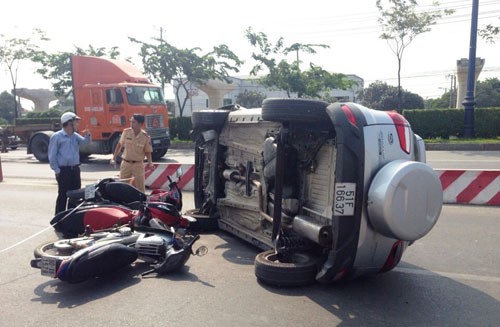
x=469, y=100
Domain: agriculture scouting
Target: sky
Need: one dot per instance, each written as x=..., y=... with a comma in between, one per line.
x=350, y=28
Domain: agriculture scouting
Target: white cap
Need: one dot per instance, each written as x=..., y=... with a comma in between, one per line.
x=67, y=116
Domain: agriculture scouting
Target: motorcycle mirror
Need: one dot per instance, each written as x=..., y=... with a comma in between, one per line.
x=179, y=172
x=201, y=251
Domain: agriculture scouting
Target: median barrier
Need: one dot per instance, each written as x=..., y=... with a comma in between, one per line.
x=470, y=186
x=460, y=186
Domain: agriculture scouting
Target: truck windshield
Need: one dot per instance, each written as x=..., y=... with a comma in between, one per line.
x=141, y=95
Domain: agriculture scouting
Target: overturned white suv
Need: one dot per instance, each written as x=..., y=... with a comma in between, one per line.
x=328, y=191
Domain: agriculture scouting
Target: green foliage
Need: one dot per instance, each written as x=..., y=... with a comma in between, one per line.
x=288, y=76
x=13, y=51
x=445, y=123
x=250, y=99
x=56, y=67
x=401, y=22
x=165, y=63
x=53, y=112
x=488, y=93
x=381, y=96
x=180, y=128
x=7, y=107
x=4, y=122
x=489, y=33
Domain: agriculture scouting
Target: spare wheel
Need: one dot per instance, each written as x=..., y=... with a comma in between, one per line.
x=404, y=200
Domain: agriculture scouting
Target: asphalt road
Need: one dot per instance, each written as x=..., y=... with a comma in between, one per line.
x=448, y=278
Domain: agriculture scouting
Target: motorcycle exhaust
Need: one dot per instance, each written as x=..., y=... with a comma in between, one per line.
x=309, y=228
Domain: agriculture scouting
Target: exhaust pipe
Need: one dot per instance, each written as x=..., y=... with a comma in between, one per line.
x=309, y=228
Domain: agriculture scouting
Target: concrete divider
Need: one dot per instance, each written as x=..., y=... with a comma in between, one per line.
x=158, y=178
x=460, y=186
x=470, y=186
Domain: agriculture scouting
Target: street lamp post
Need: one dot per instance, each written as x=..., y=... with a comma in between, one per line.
x=469, y=100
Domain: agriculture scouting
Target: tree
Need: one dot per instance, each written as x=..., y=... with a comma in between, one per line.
x=288, y=76
x=489, y=33
x=381, y=96
x=56, y=67
x=401, y=23
x=250, y=99
x=7, y=106
x=15, y=50
x=165, y=63
x=488, y=93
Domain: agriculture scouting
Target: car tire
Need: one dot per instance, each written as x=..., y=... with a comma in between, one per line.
x=300, y=271
x=295, y=110
x=204, y=223
x=158, y=154
x=13, y=147
x=209, y=119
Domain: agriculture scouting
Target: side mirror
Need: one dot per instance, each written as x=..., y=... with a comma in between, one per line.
x=201, y=251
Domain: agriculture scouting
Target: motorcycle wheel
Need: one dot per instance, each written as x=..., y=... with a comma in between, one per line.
x=300, y=270
x=50, y=250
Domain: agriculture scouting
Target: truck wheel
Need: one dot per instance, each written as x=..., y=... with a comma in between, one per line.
x=118, y=159
x=299, y=271
x=295, y=110
x=209, y=119
x=158, y=154
x=40, y=147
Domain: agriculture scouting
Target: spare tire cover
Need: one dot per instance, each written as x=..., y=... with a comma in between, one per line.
x=405, y=200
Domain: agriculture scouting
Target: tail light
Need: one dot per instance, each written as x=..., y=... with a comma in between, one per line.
x=403, y=130
x=350, y=116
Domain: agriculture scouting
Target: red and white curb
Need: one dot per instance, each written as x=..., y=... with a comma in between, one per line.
x=158, y=178
x=470, y=186
x=481, y=187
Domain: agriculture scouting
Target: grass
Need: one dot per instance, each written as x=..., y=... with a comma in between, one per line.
x=462, y=140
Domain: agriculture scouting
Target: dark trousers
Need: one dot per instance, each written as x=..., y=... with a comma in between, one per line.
x=67, y=180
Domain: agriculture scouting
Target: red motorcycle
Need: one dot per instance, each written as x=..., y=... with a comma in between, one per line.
x=109, y=203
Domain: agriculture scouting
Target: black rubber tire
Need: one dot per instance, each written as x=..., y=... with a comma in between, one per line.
x=295, y=110
x=300, y=272
x=46, y=249
x=84, y=156
x=158, y=154
x=40, y=147
x=204, y=223
x=114, y=144
x=13, y=147
x=209, y=119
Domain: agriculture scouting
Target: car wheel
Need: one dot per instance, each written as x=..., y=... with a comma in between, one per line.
x=295, y=110
x=300, y=270
x=13, y=147
x=209, y=119
x=204, y=223
x=158, y=154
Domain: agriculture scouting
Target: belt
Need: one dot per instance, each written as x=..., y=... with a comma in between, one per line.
x=130, y=161
x=69, y=167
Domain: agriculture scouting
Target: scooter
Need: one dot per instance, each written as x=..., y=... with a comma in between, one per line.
x=109, y=203
x=96, y=254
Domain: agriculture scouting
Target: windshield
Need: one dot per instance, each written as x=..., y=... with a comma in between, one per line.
x=141, y=95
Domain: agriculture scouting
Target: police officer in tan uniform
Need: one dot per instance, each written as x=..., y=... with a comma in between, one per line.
x=137, y=145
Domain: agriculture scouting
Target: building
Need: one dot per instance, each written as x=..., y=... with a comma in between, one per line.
x=198, y=99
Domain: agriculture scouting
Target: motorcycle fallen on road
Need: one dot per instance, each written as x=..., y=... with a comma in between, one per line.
x=108, y=203
x=96, y=254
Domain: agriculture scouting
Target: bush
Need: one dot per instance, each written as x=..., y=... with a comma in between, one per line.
x=445, y=123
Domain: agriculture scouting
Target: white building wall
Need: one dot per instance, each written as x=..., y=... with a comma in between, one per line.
x=199, y=99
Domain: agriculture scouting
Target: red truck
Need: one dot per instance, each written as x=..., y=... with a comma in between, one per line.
x=106, y=95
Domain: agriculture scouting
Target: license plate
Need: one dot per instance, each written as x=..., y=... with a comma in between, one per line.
x=156, y=141
x=48, y=266
x=345, y=198
x=90, y=192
